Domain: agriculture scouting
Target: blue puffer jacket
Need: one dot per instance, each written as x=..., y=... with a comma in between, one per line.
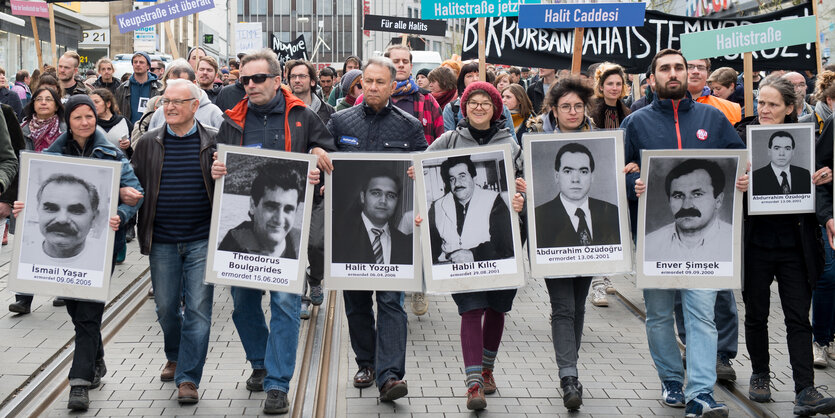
x=104, y=150
x=359, y=129
x=663, y=125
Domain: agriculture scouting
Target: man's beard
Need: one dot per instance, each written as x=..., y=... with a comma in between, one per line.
x=671, y=93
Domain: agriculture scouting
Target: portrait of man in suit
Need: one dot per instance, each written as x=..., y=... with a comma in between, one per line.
x=276, y=193
x=468, y=223
x=374, y=237
x=573, y=218
x=695, y=193
x=780, y=176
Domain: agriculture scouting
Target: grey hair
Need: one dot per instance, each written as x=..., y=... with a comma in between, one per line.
x=264, y=54
x=176, y=68
x=382, y=62
x=195, y=91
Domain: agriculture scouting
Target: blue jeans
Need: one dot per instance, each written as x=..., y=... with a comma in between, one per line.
x=381, y=347
x=698, y=305
x=273, y=349
x=725, y=316
x=177, y=272
x=823, y=298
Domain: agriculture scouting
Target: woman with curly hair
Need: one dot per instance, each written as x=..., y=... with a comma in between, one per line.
x=607, y=109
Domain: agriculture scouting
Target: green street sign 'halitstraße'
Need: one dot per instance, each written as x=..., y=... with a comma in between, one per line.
x=747, y=38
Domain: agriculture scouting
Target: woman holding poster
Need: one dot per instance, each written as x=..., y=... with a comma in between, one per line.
x=786, y=247
x=482, y=312
x=83, y=140
x=568, y=102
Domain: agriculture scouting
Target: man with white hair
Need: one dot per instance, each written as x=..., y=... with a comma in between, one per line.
x=173, y=164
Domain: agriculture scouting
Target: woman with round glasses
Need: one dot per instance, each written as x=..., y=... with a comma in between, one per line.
x=42, y=119
x=567, y=103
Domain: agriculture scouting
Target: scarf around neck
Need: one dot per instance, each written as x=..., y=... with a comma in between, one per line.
x=405, y=87
x=44, y=132
x=444, y=97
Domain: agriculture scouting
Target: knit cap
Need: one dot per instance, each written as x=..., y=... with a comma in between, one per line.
x=348, y=80
x=491, y=91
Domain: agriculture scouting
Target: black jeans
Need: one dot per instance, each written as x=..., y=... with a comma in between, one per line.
x=381, y=346
x=86, y=318
x=568, y=313
x=762, y=265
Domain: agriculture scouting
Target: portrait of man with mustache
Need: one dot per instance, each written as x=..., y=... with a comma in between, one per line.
x=468, y=223
x=67, y=210
x=695, y=191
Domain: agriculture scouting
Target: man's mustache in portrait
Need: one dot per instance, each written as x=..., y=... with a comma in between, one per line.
x=61, y=228
x=688, y=213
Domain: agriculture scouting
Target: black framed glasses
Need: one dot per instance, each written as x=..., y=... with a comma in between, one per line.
x=256, y=78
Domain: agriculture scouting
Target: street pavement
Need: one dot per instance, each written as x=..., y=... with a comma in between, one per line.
x=615, y=367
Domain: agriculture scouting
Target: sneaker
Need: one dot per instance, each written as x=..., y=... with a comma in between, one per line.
x=419, y=304
x=317, y=295
x=724, y=371
x=305, y=311
x=609, y=288
x=759, y=387
x=830, y=351
x=598, y=296
x=475, y=398
x=101, y=370
x=819, y=355
x=572, y=393
x=489, y=382
x=672, y=394
x=79, y=399
x=255, y=383
x=810, y=402
x=704, y=406
x=276, y=402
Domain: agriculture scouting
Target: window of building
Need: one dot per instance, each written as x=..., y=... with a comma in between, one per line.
x=258, y=7
x=281, y=7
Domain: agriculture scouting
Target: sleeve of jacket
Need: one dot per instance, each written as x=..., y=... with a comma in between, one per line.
x=318, y=134
x=217, y=117
x=418, y=139
x=14, y=102
x=823, y=157
x=8, y=159
x=729, y=135
x=632, y=154
x=124, y=107
x=18, y=143
x=508, y=121
x=449, y=117
x=129, y=179
x=434, y=118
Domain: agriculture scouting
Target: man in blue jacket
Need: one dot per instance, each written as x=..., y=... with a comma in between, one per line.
x=377, y=126
x=675, y=121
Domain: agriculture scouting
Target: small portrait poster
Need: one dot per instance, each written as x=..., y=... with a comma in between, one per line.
x=469, y=234
x=370, y=242
x=782, y=163
x=577, y=211
x=65, y=244
x=690, y=219
x=261, y=218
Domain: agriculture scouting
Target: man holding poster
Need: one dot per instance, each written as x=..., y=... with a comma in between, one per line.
x=676, y=121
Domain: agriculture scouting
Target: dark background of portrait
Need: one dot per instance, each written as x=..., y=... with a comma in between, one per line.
x=490, y=174
x=604, y=186
x=235, y=202
x=347, y=182
x=658, y=212
x=804, y=151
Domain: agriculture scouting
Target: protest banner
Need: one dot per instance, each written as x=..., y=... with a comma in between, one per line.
x=30, y=8
x=631, y=47
x=160, y=13
x=248, y=36
x=286, y=51
x=404, y=25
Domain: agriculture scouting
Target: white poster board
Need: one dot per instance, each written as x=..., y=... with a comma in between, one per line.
x=777, y=151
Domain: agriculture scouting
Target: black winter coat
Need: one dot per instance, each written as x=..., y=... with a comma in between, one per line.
x=359, y=129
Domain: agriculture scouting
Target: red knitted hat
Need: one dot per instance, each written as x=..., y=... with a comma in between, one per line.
x=491, y=91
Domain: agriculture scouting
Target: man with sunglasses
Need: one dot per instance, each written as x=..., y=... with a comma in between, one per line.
x=377, y=125
x=271, y=117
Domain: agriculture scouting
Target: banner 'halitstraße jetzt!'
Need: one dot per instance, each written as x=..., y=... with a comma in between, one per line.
x=631, y=47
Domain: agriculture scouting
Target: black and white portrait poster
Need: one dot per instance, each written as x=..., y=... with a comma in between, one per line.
x=261, y=219
x=577, y=212
x=469, y=234
x=65, y=245
x=782, y=163
x=370, y=242
x=690, y=219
